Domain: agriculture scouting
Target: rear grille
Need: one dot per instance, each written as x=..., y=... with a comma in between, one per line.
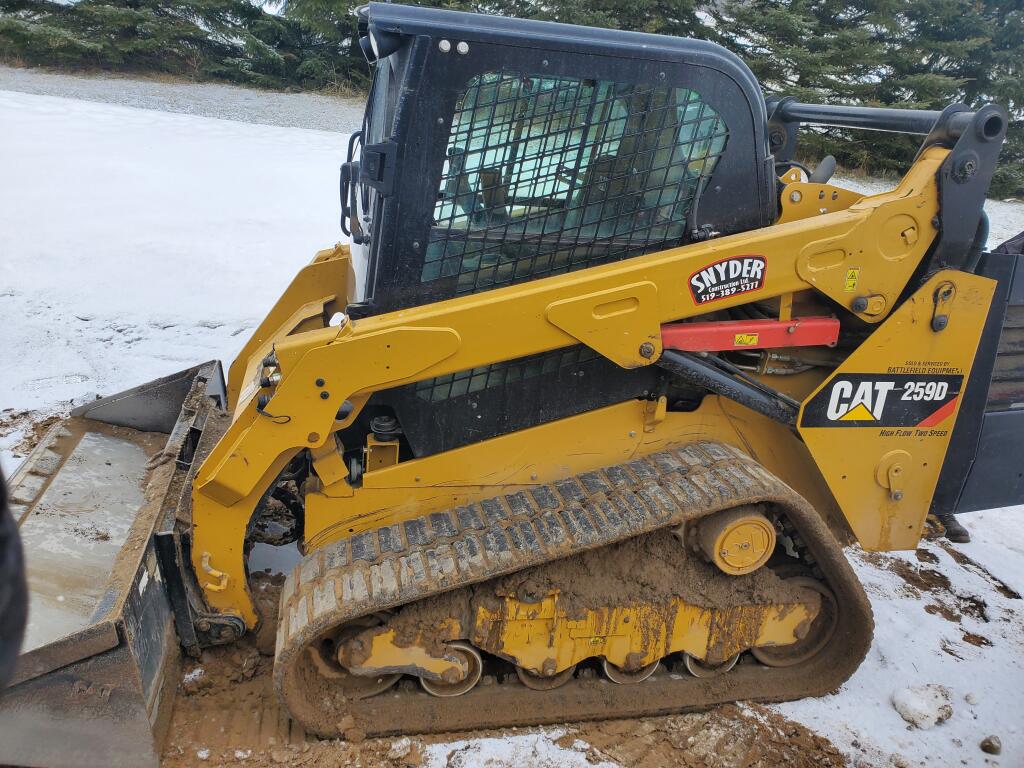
x=507, y=373
x=1007, y=388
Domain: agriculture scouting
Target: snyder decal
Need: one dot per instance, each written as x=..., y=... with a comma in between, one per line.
x=884, y=400
x=728, y=277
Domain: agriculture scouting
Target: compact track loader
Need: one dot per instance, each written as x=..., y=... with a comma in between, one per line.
x=596, y=395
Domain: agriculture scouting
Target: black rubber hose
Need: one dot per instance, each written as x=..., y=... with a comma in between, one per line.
x=980, y=239
x=700, y=373
x=824, y=171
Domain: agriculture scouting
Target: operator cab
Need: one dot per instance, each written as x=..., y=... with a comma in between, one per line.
x=496, y=151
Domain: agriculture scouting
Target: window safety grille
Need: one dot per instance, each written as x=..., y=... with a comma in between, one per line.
x=548, y=175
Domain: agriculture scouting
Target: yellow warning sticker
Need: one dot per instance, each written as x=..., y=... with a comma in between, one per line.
x=852, y=278
x=745, y=340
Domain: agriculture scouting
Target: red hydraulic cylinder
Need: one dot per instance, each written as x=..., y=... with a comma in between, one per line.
x=750, y=334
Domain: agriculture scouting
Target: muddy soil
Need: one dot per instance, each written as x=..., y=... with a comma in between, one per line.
x=655, y=569
x=32, y=424
x=266, y=592
x=226, y=714
x=727, y=736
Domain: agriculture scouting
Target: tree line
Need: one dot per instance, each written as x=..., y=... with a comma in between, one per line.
x=911, y=53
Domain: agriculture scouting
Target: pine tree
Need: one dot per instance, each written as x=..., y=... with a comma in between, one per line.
x=914, y=53
x=999, y=76
x=227, y=39
x=667, y=17
x=680, y=18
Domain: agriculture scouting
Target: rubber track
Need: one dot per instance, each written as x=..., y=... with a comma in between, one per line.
x=405, y=562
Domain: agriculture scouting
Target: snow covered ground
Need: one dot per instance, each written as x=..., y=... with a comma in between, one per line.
x=943, y=622
x=134, y=243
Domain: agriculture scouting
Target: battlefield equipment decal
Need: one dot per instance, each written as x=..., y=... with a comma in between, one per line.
x=728, y=277
x=884, y=400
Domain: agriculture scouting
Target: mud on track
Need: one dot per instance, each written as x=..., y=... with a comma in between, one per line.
x=580, y=513
x=229, y=716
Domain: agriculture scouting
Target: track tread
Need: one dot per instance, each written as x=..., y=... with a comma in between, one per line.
x=400, y=563
x=562, y=519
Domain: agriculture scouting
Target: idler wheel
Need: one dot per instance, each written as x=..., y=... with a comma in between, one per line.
x=354, y=686
x=324, y=658
x=818, y=634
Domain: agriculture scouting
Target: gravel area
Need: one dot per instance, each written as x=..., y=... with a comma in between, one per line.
x=227, y=102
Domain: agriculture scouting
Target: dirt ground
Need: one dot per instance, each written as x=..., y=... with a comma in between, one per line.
x=31, y=426
x=226, y=712
x=227, y=715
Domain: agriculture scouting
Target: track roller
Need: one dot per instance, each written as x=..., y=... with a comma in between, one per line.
x=476, y=669
x=698, y=668
x=323, y=655
x=622, y=677
x=541, y=683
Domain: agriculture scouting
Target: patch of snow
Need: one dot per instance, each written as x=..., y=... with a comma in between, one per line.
x=536, y=750
x=203, y=754
x=996, y=541
x=9, y=461
x=136, y=243
x=1005, y=220
x=193, y=674
x=923, y=706
x=913, y=645
x=866, y=185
